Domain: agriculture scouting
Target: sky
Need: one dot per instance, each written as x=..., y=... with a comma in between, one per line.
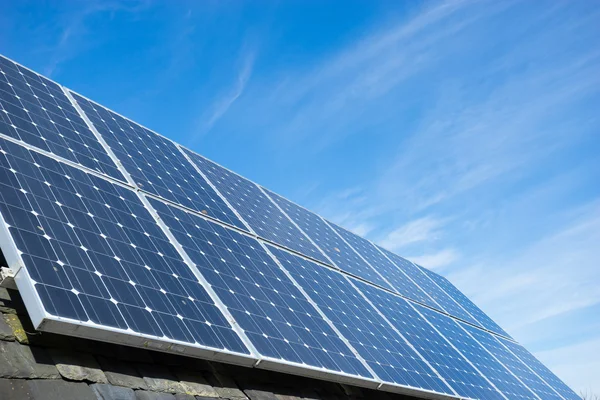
x=463, y=135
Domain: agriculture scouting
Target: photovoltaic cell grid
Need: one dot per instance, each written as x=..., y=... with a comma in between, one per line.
x=464, y=302
x=388, y=269
x=392, y=359
x=156, y=164
x=540, y=369
x=96, y=255
x=497, y=373
x=527, y=376
x=256, y=209
x=276, y=317
x=445, y=302
x=448, y=362
x=36, y=111
x=325, y=237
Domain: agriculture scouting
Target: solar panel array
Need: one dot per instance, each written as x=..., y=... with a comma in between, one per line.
x=117, y=233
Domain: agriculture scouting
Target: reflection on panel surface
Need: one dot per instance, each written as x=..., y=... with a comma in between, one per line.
x=392, y=359
x=515, y=365
x=97, y=255
x=477, y=355
x=36, y=110
x=464, y=302
x=457, y=371
x=276, y=317
x=256, y=208
x=445, y=302
x=325, y=237
x=156, y=164
x=387, y=268
x=540, y=369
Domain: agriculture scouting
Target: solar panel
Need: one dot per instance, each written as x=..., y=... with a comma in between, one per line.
x=445, y=302
x=256, y=208
x=274, y=314
x=155, y=163
x=386, y=352
x=385, y=266
x=332, y=244
x=540, y=369
x=489, y=366
x=527, y=376
x=464, y=302
x=452, y=366
x=119, y=234
x=97, y=258
x=36, y=111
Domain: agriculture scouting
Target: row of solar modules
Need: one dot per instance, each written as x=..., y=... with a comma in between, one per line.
x=39, y=113
x=98, y=259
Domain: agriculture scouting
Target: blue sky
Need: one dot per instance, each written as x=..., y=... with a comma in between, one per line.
x=463, y=135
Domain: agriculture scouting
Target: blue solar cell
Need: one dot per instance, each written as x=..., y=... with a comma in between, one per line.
x=515, y=365
x=97, y=256
x=386, y=352
x=256, y=208
x=325, y=237
x=156, y=164
x=273, y=313
x=453, y=367
x=36, y=110
x=387, y=268
x=540, y=369
x=464, y=302
x=443, y=300
x=496, y=372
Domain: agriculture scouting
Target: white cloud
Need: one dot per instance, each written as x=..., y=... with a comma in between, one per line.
x=420, y=230
x=555, y=275
x=436, y=261
x=578, y=365
x=221, y=105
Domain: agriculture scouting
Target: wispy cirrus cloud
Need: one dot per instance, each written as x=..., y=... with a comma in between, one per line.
x=437, y=260
x=422, y=229
x=472, y=107
x=70, y=33
x=222, y=103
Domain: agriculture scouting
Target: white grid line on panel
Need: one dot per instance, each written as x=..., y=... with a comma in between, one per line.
x=99, y=137
x=335, y=267
x=451, y=298
x=399, y=334
x=90, y=330
x=42, y=320
x=407, y=276
x=472, y=316
x=500, y=362
x=167, y=232
x=528, y=367
x=297, y=226
x=356, y=251
x=363, y=279
x=237, y=214
x=458, y=351
x=321, y=313
x=309, y=299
